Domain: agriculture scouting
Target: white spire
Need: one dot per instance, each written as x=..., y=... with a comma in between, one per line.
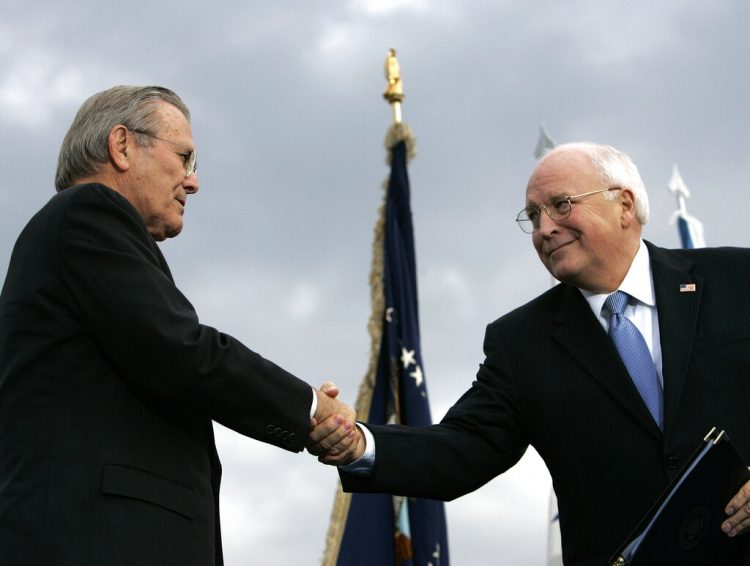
x=678, y=187
x=691, y=235
x=544, y=144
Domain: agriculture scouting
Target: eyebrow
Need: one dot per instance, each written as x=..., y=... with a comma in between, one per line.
x=550, y=200
x=183, y=145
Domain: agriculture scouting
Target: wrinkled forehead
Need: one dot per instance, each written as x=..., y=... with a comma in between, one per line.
x=172, y=122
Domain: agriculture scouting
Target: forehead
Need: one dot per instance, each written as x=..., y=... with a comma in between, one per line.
x=172, y=123
x=562, y=173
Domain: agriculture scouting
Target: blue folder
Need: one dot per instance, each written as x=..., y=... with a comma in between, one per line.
x=684, y=525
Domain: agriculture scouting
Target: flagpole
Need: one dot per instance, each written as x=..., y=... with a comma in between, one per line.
x=394, y=92
x=379, y=528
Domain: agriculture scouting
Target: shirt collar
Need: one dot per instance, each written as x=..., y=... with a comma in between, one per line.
x=638, y=283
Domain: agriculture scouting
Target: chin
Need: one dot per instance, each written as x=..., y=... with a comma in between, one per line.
x=173, y=228
x=174, y=232
x=561, y=273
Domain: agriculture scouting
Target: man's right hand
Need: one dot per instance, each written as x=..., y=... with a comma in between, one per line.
x=335, y=437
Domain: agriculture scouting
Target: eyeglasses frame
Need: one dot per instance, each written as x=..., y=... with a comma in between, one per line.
x=189, y=157
x=570, y=198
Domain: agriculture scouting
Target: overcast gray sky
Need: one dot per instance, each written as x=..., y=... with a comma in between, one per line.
x=289, y=122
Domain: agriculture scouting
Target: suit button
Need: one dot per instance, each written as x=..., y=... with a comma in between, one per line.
x=291, y=437
x=673, y=462
x=270, y=428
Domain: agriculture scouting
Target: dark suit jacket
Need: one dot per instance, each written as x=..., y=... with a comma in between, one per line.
x=108, y=386
x=553, y=379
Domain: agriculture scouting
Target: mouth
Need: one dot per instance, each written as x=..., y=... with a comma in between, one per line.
x=554, y=248
x=182, y=201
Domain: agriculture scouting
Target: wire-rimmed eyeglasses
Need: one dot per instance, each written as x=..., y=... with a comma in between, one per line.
x=188, y=157
x=557, y=209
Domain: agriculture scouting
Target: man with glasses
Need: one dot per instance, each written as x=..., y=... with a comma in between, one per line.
x=613, y=428
x=108, y=382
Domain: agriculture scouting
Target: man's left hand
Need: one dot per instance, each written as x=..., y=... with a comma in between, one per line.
x=738, y=510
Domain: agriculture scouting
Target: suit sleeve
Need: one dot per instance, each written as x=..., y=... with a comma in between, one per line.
x=480, y=437
x=150, y=333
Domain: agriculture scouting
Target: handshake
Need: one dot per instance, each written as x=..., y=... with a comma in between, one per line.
x=335, y=438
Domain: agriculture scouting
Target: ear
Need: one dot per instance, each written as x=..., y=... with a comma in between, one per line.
x=117, y=142
x=627, y=207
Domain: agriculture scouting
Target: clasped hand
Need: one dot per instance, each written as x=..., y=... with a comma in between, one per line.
x=335, y=437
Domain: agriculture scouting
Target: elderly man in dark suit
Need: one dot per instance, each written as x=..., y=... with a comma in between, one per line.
x=612, y=433
x=108, y=382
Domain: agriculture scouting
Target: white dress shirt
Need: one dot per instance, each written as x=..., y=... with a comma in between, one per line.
x=639, y=284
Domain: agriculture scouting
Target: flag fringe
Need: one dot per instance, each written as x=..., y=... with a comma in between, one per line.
x=396, y=133
x=342, y=501
x=400, y=132
x=336, y=527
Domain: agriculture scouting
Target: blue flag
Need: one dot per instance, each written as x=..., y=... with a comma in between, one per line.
x=380, y=529
x=691, y=232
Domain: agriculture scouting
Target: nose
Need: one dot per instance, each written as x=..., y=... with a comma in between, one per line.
x=191, y=184
x=546, y=224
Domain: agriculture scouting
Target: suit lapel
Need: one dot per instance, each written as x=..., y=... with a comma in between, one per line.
x=579, y=332
x=678, y=318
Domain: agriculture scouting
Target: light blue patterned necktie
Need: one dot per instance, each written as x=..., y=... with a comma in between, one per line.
x=635, y=355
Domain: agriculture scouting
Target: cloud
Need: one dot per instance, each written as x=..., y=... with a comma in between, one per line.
x=289, y=122
x=35, y=84
x=340, y=38
x=450, y=286
x=303, y=302
x=390, y=7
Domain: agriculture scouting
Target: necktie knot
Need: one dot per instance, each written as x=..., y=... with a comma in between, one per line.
x=617, y=302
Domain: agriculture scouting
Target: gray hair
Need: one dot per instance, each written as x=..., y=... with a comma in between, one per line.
x=85, y=146
x=616, y=169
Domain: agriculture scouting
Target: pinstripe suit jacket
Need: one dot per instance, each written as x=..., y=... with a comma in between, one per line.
x=553, y=379
x=108, y=386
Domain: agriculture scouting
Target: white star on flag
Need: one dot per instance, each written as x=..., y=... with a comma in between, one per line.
x=435, y=555
x=417, y=375
x=407, y=357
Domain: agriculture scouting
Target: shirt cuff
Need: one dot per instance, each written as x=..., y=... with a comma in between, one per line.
x=314, y=406
x=365, y=464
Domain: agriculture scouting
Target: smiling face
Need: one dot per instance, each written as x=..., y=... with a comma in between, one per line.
x=593, y=248
x=157, y=185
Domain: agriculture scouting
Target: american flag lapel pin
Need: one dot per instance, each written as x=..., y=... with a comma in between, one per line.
x=687, y=287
